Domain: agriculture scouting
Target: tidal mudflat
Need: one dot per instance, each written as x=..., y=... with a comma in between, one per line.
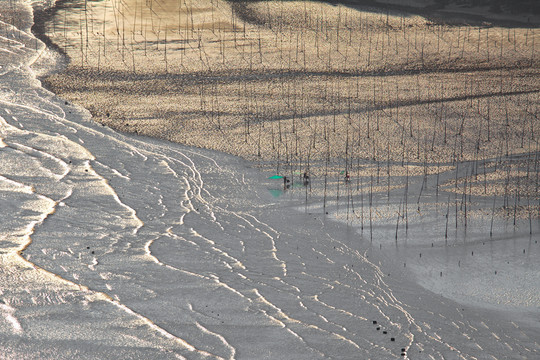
x=416, y=235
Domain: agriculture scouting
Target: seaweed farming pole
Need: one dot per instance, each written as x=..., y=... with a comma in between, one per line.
x=165, y=54
x=104, y=33
x=397, y=221
x=86, y=25
x=362, y=206
x=179, y=17
x=406, y=198
x=135, y=22
x=532, y=47
x=465, y=198
x=327, y=159
x=492, y=217
x=447, y=216
x=370, y=209
x=65, y=34
x=82, y=40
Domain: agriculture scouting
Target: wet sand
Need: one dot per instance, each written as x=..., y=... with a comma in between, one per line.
x=124, y=246
x=434, y=124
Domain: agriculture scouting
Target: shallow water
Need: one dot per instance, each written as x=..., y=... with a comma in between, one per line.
x=135, y=247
